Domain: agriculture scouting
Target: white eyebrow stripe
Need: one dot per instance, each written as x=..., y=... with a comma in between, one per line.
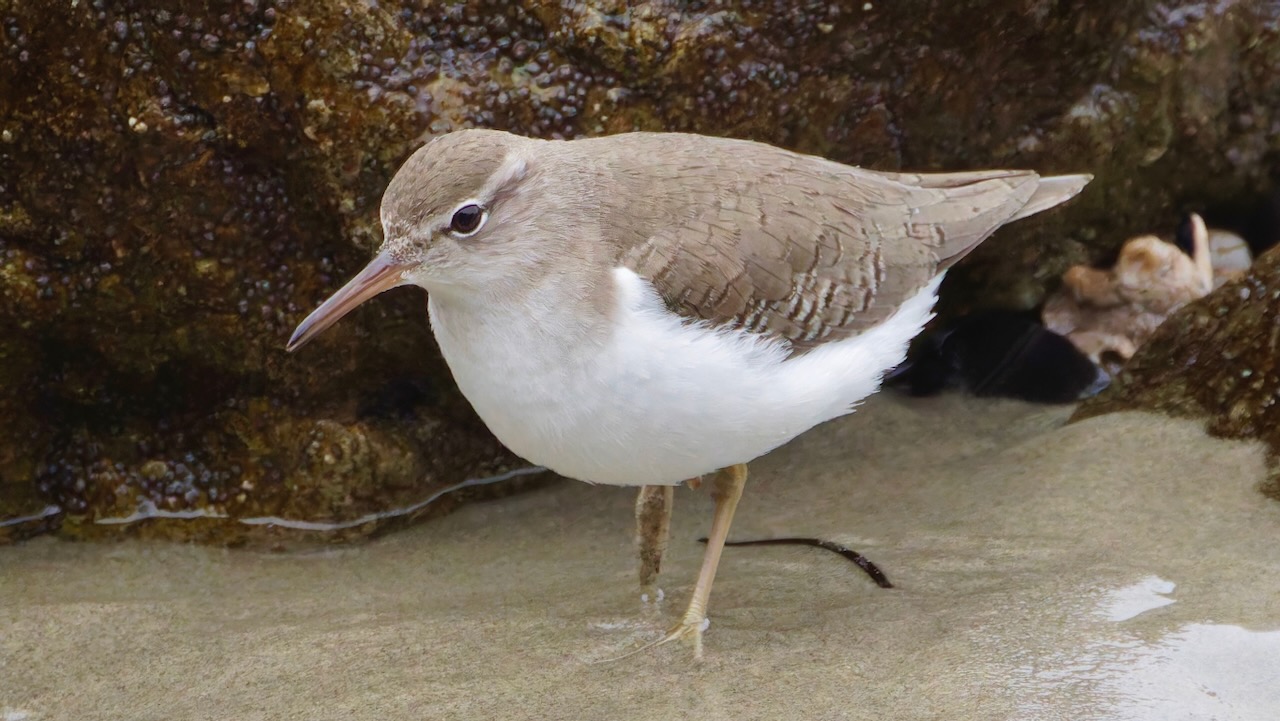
x=512, y=169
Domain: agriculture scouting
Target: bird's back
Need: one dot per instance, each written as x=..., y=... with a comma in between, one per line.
x=793, y=246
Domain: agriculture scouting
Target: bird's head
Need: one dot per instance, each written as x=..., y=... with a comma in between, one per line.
x=456, y=219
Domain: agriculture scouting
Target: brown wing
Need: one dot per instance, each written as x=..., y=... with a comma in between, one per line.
x=810, y=251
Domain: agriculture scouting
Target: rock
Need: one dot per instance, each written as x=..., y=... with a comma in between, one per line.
x=1217, y=358
x=1232, y=256
x=1109, y=313
x=180, y=186
x=181, y=182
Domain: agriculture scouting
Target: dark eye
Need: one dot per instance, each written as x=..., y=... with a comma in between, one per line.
x=466, y=219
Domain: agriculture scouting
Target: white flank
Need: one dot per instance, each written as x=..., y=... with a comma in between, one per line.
x=663, y=399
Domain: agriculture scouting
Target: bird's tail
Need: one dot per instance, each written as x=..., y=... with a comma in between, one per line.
x=1052, y=191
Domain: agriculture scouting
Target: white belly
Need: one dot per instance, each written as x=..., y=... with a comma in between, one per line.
x=657, y=401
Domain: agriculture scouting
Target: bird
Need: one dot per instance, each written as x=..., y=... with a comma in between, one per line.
x=647, y=308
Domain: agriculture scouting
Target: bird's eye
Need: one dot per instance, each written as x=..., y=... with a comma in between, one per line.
x=466, y=220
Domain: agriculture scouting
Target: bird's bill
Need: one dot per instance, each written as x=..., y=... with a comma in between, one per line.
x=381, y=274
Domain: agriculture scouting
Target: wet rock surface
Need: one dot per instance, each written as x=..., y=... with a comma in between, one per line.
x=1218, y=358
x=181, y=182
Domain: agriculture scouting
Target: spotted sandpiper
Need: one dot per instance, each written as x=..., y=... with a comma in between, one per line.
x=646, y=308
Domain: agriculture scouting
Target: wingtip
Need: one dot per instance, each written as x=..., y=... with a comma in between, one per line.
x=1071, y=184
x=1052, y=191
x=1078, y=183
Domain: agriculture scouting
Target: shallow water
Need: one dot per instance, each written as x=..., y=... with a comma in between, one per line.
x=1122, y=568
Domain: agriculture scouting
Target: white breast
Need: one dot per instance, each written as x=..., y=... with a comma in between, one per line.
x=658, y=400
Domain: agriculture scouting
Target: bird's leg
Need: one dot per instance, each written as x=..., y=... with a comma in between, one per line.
x=653, y=526
x=726, y=489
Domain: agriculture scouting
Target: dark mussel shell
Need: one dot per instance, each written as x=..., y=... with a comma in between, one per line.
x=999, y=353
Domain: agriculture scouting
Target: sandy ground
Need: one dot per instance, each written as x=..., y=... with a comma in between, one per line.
x=1123, y=568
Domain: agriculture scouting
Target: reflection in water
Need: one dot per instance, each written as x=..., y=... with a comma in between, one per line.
x=1200, y=671
x=1196, y=671
x=1148, y=594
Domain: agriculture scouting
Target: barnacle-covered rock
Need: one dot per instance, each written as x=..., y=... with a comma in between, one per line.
x=1217, y=358
x=180, y=182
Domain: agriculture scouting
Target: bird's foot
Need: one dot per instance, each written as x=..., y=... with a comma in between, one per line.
x=689, y=630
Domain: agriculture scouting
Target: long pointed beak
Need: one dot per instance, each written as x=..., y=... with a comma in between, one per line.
x=381, y=274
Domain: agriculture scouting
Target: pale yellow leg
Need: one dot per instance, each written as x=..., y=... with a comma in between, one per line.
x=653, y=527
x=726, y=489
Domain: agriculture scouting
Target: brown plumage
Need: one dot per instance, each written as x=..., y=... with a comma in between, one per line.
x=798, y=246
x=745, y=234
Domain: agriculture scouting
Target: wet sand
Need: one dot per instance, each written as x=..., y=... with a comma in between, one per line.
x=1121, y=568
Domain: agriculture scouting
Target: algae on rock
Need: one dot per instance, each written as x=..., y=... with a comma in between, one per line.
x=1218, y=358
x=181, y=182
